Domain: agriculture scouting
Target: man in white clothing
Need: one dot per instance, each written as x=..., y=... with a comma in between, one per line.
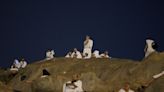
x=87, y=51
x=150, y=47
x=96, y=54
x=76, y=54
x=50, y=54
x=126, y=88
x=73, y=86
x=105, y=55
x=17, y=63
x=68, y=55
x=23, y=63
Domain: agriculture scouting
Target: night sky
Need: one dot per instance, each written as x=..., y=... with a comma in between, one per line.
x=29, y=28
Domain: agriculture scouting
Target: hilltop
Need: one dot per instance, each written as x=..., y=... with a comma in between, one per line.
x=98, y=75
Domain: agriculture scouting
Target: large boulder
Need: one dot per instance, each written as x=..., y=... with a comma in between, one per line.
x=97, y=75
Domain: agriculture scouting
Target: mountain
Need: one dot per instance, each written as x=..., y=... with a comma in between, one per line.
x=97, y=75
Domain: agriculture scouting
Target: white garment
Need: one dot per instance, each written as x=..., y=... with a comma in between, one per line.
x=71, y=88
x=89, y=44
x=23, y=64
x=50, y=54
x=122, y=90
x=87, y=51
x=13, y=68
x=158, y=75
x=88, y=48
x=96, y=54
x=77, y=55
x=16, y=63
x=149, y=49
x=104, y=56
x=68, y=55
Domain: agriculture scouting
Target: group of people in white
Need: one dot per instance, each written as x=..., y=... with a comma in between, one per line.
x=18, y=64
x=86, y=54
x=87, y=51
x=75, y=85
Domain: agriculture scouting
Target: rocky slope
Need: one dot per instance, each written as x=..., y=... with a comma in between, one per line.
x=97, y=75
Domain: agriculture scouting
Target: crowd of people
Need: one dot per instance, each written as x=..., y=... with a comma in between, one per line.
x=75, y=85
x=18, y=64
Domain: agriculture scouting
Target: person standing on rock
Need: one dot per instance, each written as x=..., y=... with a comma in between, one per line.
x=126, y=88
x=73, y=86
x=150, y=47
x=88, y=44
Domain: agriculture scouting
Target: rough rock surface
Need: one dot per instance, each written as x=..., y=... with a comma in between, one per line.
x=97, y=75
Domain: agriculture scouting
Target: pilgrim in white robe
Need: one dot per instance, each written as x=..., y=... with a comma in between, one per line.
x=13, y=68
x=17, y=64
x=87, y=51
x=96, y=54
x=149, y=47
x=50, y=54
x=68, y=55
x=76, y=54
x=104, y=56
x=23, y=64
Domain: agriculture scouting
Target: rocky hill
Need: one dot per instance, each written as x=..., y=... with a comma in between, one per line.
x=97, y=75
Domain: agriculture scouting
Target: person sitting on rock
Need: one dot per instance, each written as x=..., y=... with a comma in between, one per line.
x=87, y=51
x=105, y=55
x=73, y=86
x=68, y=55
x=50, y=54
x=96, y=54
x=17, y=63
x=76, y=54
x=150, y=47
x=14, y=68
x=126, y=88
x=23, y=63
x=45, y=73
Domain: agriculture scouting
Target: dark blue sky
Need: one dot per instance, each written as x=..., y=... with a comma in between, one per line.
x=29, y=28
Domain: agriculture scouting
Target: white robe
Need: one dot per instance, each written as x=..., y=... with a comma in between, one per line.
x=71, y=88
x=17, y=64
x=122, y=90
x=13, y=68
x=50, y=54
x=96, y=54
x=158, y=75
x=23, y=64
x=77, y=54
x=68, y=55
x=149, y=49
x=104, y=56
x=88, y=49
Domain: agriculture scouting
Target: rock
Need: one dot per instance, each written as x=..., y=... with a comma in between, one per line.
x=97, y=75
